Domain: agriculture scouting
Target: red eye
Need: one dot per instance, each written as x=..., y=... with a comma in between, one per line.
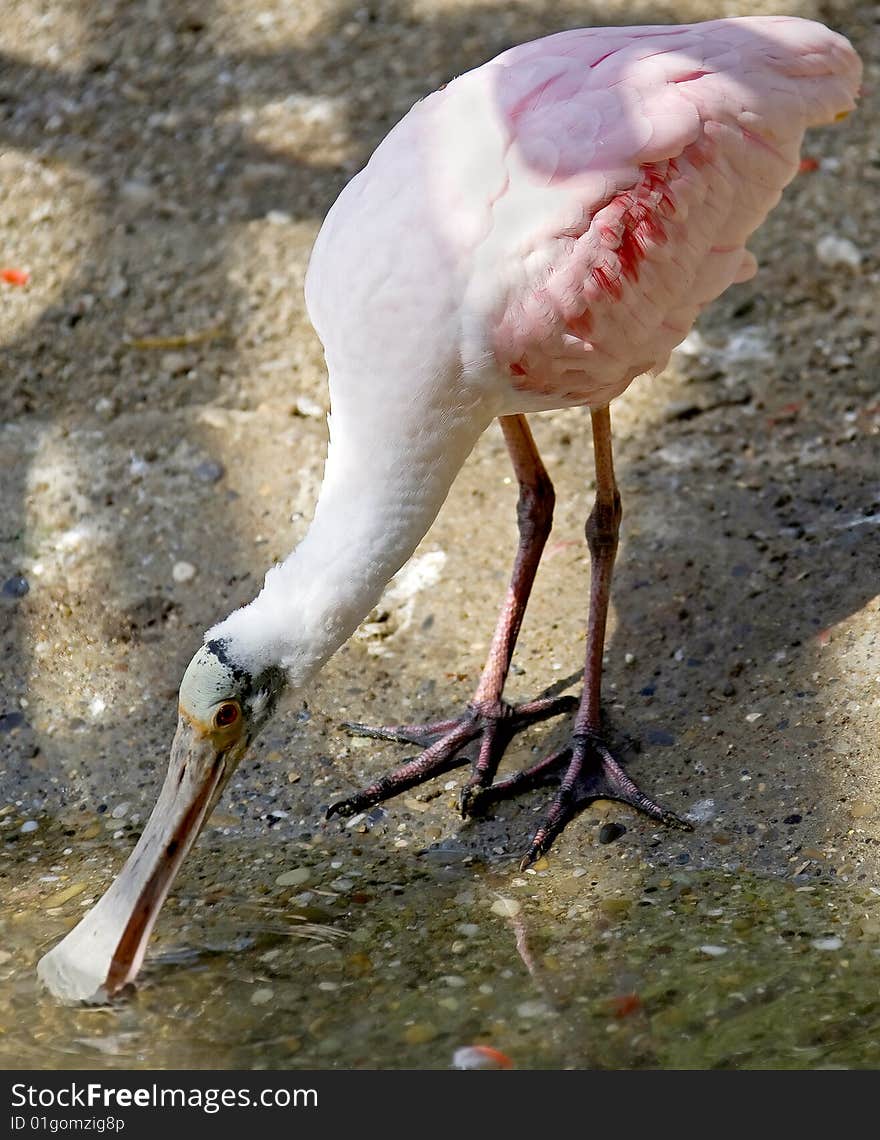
x=226, y=715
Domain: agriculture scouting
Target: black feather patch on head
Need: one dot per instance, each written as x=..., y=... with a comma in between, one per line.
x=259, y=692
x=220, y=648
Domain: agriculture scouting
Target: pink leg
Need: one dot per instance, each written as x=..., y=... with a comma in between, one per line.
x=488, y=716
x=592, y=772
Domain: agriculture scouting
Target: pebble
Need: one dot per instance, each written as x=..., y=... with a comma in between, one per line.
x=120, y=811
x=174, y=363
x=608, y=832
x=138, y=193
x=183, y=572
x=308, y=408
x=480, y=1057
x=837, y=251
x=15, y=587
x=61, y=897
x=793, y=818
x=535, y=1008
x=262, y=996
x=209, y=471
x=701, y=812
x=419, y=1034
x=294, y=878
x=506, y=908
x=713, y=951
x=832, y=943
x=28, y=826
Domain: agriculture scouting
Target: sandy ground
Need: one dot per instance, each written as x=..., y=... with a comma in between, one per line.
x=163, y=172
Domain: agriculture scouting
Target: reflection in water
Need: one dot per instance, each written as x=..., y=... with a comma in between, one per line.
x=370, y=962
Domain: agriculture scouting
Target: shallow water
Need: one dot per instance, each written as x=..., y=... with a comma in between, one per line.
x=384, y=958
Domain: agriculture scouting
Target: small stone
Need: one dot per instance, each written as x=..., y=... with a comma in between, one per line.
x=480, y=1057
x=701, y=812
x=278, y=217
x=174, y=363
x=120, y=811
x=832, y=943
x=793, y=818
x=713, y=951
x=183, y=572
x=530, y=1009
x=506, y=908
x=753, y=716
x=308, y=408
x=294, y=878
x=862, y=809
x=28, y=826
x=61, y=897
x=15, y=587
x=608, y=832
x=419, y=1034
x=138, y=193
x=209, y=471
x=262, y=996
x=838, y=251
x=116, y=287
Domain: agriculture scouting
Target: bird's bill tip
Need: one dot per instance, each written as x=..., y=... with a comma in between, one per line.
x=104, y=952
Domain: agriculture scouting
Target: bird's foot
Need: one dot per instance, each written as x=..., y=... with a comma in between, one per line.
x=591, y=772
x=443, y=741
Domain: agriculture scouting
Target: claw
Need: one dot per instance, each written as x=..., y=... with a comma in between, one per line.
x=399, y=733
x=345, y=808
x=533, y=854
x=473, y=800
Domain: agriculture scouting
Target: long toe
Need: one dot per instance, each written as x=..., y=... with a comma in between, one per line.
x=593, y=774
x=443, y=742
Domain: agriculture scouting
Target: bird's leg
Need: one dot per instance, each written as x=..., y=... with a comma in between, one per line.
x=488, y=716
x=592, y=771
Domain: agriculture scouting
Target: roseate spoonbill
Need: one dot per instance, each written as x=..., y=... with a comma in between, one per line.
x=534, y=235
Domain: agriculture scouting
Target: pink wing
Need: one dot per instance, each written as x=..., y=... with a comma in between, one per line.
x=638, y=162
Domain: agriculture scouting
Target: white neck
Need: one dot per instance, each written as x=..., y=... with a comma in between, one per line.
x=386, y=477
